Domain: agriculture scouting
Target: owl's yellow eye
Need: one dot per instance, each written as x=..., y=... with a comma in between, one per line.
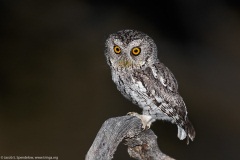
x=136, y=51
x=117, y=49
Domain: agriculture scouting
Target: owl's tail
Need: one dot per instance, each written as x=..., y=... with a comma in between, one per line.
x=187, y=131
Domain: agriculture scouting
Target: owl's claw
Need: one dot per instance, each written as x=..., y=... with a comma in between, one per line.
x=146, y=119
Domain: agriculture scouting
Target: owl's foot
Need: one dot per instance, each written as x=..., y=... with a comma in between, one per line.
x=146, y=119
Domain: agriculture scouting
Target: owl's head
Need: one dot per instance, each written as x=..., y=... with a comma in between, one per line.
x=129, y=49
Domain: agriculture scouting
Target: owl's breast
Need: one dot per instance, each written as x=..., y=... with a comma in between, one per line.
x=131, y=89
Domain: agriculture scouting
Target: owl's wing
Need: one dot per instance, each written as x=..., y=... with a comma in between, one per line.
x=162, y=88
x=165, y=76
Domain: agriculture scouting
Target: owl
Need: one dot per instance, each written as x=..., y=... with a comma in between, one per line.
x=143, y=79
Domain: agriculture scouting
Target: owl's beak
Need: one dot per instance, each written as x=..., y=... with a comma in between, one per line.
x=125, y=62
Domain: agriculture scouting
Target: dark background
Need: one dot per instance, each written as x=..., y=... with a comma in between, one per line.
x=56, y=88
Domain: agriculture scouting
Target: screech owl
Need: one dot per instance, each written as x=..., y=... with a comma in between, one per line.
x=144, y=80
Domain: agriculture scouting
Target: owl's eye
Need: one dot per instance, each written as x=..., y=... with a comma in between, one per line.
x=136, y=51
x=117, y=49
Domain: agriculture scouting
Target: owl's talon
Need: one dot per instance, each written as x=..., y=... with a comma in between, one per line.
x=145, y=119
x=147, y=127
x=143, y=128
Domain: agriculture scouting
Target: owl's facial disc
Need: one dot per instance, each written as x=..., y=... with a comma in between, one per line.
x=127, y=55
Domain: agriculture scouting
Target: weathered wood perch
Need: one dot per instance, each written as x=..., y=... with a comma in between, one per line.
x=142, y=145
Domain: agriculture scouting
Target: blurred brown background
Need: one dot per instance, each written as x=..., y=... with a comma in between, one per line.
x=56, y=88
